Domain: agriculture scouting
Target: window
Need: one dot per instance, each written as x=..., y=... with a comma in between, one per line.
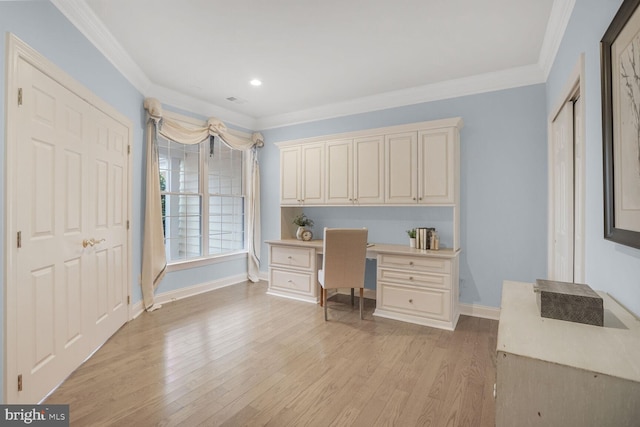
x=202, y=199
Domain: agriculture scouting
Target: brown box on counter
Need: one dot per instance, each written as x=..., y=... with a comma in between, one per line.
x=573, y=302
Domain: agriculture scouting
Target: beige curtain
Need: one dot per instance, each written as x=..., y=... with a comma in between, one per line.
x=153, y=252
x=254, y=238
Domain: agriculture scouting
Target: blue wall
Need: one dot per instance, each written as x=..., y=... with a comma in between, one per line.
x=503, y=187
x=609, y=266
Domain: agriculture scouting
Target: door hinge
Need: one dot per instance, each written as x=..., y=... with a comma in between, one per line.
x=128, y=299
x=20, y=382
x=19, y=239
x=127, y=224
x=19, y=96
x=128, y=149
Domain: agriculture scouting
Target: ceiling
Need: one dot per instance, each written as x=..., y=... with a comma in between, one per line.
x=320, y=59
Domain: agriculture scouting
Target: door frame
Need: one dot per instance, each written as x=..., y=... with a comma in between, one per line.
x=575, y=87
x=17, y=50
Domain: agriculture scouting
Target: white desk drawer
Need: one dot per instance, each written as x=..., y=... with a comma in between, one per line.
x=292, y=257
x=290, y=280
x=415, y=278
x=435, y=304
x=435, y=265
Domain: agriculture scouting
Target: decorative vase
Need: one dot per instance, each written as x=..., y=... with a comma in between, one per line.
x=299, y=233
x=412, y=242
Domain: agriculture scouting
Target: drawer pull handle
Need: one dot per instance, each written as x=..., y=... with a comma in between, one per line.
x=410, y=277
x=289, y=281
x=289, y=257
x=410, y=301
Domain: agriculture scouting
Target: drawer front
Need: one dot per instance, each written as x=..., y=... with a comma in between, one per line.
x=292, y=281
x=435, y=304
x=435, y=265
x=415, y=278
x=292, y=257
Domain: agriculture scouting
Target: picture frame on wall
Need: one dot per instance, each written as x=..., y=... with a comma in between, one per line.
x=620, y=72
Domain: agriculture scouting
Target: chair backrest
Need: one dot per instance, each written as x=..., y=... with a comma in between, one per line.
x=344, y=257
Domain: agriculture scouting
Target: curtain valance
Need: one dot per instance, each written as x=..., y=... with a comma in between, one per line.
x=194, y=135
x=154, y=261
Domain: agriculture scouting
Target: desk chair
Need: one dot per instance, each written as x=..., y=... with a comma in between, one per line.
x=343, y=263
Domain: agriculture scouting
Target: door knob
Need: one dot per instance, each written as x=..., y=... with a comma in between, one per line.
x=91, y=242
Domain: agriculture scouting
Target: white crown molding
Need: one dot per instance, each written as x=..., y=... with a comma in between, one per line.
x=488, y=82
x=189, y=103
x=86, y=21
x=557, y=25
x=83, y=17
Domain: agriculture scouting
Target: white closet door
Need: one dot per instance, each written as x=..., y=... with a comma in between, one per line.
x=71, y=185
x=107, y=220
x=563, y=194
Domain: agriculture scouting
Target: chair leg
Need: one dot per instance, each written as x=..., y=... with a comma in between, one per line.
x=361, y=301
x=324, y=300
x=352, y=299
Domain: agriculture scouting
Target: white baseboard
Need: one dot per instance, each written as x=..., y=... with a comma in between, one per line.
x=171, y=296
x=474, y=310
x=482, y=311
x=190, y=291
x=137, y=309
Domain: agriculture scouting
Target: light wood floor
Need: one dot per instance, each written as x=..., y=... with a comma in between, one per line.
x=236, y=356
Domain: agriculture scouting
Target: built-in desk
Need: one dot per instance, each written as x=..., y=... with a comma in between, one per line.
x=412, y=285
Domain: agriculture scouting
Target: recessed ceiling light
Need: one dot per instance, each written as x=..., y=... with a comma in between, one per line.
x=255, y=82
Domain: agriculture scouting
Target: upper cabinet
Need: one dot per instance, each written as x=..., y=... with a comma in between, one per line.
x=401, y=165
x=355, y=171
x=368, y=170
x=438, y=166
x=290, y=176
x=302, y=175
x=401, y=161
x=339, y=172
x=421, y=167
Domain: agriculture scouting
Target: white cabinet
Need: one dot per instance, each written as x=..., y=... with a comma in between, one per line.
x=368, y=170
x=410, y=164
x=302, y=175
x=339, y=172
x=438, y=165
x=418, y=289
x=292, y=272
x=290, y=177
x=355, y=171
x=421, y=167
x=401, y=177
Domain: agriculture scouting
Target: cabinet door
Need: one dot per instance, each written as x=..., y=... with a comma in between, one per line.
x=313, y=174
x=290, y=192
x=436, y=166
x=401, y=171
x=339, y=172
x=368, y=171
